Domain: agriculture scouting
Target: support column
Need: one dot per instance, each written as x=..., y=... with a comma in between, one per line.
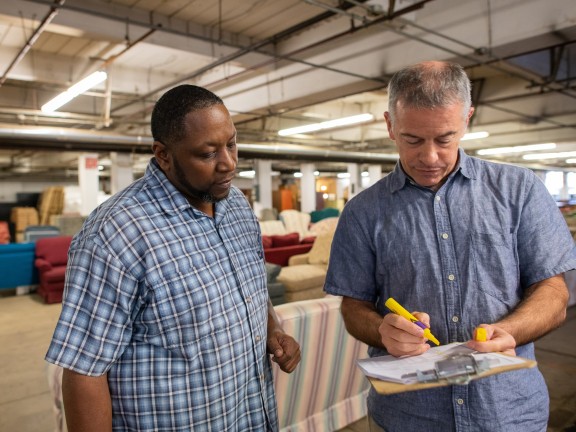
x=355, y=179
x=88, y=181
x=564, y=195
x=121, y=174
x=262, y=185
x=307, y=188
x=374, y=174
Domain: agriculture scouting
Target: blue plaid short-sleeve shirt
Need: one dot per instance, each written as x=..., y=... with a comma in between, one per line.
x=172, y=304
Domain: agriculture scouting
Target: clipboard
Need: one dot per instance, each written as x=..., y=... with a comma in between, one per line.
x=456, y=370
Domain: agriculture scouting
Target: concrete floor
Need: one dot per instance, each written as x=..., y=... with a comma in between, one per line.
x=26, y=326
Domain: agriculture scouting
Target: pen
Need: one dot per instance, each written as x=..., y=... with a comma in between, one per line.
x=395, y=307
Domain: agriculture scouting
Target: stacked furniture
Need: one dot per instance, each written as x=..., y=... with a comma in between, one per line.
x=305, y=274
x=275, y=288
x=328, y=212
x=17, y=265
x=280, y=244
x=279, y=248
x=51, y=260
x=296, y=221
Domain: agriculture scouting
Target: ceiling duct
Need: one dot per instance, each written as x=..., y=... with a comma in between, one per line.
x=66, y=139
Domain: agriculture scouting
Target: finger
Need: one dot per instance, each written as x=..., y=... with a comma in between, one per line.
x=423, y=317
x=399, y=323
x=399, y=351
x=288, y=363
x=274, y=346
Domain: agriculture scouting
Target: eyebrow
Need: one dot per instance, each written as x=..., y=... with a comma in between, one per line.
x=447, y=134
x=216, y=144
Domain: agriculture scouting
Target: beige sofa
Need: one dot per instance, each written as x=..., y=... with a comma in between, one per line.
x=304, y=277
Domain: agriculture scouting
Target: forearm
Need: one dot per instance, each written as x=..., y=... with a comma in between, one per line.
x=543, y=309
x=87, y=402
x=362, y=321
x=273, y=322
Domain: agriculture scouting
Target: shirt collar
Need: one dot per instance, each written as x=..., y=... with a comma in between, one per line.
x=399, y=179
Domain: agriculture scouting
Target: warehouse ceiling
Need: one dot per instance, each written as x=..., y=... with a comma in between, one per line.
x=277, y=64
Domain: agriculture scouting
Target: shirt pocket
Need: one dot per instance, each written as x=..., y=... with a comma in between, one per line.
x=190, y=307
x=495, y=263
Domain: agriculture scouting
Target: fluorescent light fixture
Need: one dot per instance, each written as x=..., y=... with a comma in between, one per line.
x=298, y=174
x=474, y=135
x=343, y=175
x=247, y=174
x=571, y=161
x=77, y=89
x=345, y=121
x=316, y=173
x=517, y=149
x=559, y=155
x=365, y=174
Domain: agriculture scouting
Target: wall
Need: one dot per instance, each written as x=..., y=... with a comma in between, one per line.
x=9, y=189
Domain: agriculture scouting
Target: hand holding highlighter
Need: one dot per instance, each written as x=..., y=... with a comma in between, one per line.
x=395, y=307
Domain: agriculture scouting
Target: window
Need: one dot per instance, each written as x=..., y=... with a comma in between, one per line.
x=554, y=182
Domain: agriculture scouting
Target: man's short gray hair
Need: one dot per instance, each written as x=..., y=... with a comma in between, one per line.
x=429, y=85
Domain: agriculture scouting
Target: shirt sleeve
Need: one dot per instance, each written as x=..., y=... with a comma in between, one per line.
x=351, y=270
x=94, y=325
x=545, y=246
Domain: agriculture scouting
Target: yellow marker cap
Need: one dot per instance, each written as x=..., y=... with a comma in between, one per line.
x=481, y=335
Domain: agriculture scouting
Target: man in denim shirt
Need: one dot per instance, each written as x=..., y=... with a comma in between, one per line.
x=166, y=323
x=468, y=243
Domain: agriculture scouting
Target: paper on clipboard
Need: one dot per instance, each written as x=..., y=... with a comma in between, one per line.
x=396, y=374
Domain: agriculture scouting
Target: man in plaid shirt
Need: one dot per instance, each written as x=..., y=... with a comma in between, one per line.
x=166, y=324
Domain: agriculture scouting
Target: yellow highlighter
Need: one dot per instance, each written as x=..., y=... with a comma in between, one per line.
x=395, y=307
x=481, y=334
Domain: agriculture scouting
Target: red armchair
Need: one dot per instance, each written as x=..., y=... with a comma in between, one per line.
x=279, y=248
x=51, y=260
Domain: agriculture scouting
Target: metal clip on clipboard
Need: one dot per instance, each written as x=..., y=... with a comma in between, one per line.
x=457, y=369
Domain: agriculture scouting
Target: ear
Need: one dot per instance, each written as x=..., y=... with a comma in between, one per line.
x=389, y=125
x=161, y=154
x=469, y=116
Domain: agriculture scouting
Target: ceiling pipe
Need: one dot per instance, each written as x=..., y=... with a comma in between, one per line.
x=255, y=47
x=381, y=82
x=65, y=139
x=47, y=20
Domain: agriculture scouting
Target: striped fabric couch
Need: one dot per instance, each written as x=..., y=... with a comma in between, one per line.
x=327, y=391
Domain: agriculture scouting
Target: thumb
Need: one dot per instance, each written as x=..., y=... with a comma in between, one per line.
x=275, y=348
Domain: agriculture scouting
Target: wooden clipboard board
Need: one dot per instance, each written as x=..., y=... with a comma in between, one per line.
x=387, y=388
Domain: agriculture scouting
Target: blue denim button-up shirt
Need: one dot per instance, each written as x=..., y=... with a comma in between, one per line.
x=465, y=255
x=173, y=305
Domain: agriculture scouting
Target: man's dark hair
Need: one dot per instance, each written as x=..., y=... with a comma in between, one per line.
x=167, y=122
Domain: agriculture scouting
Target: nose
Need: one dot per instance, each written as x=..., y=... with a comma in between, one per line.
x=428, y=153
x=227, y=159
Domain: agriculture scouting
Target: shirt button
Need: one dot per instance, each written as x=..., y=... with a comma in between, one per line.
x=451, y=277
x=444, y=236
x=460, y=401
x=455, y=319
x=437, y=198
x=248, y=299
x=258, y=338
